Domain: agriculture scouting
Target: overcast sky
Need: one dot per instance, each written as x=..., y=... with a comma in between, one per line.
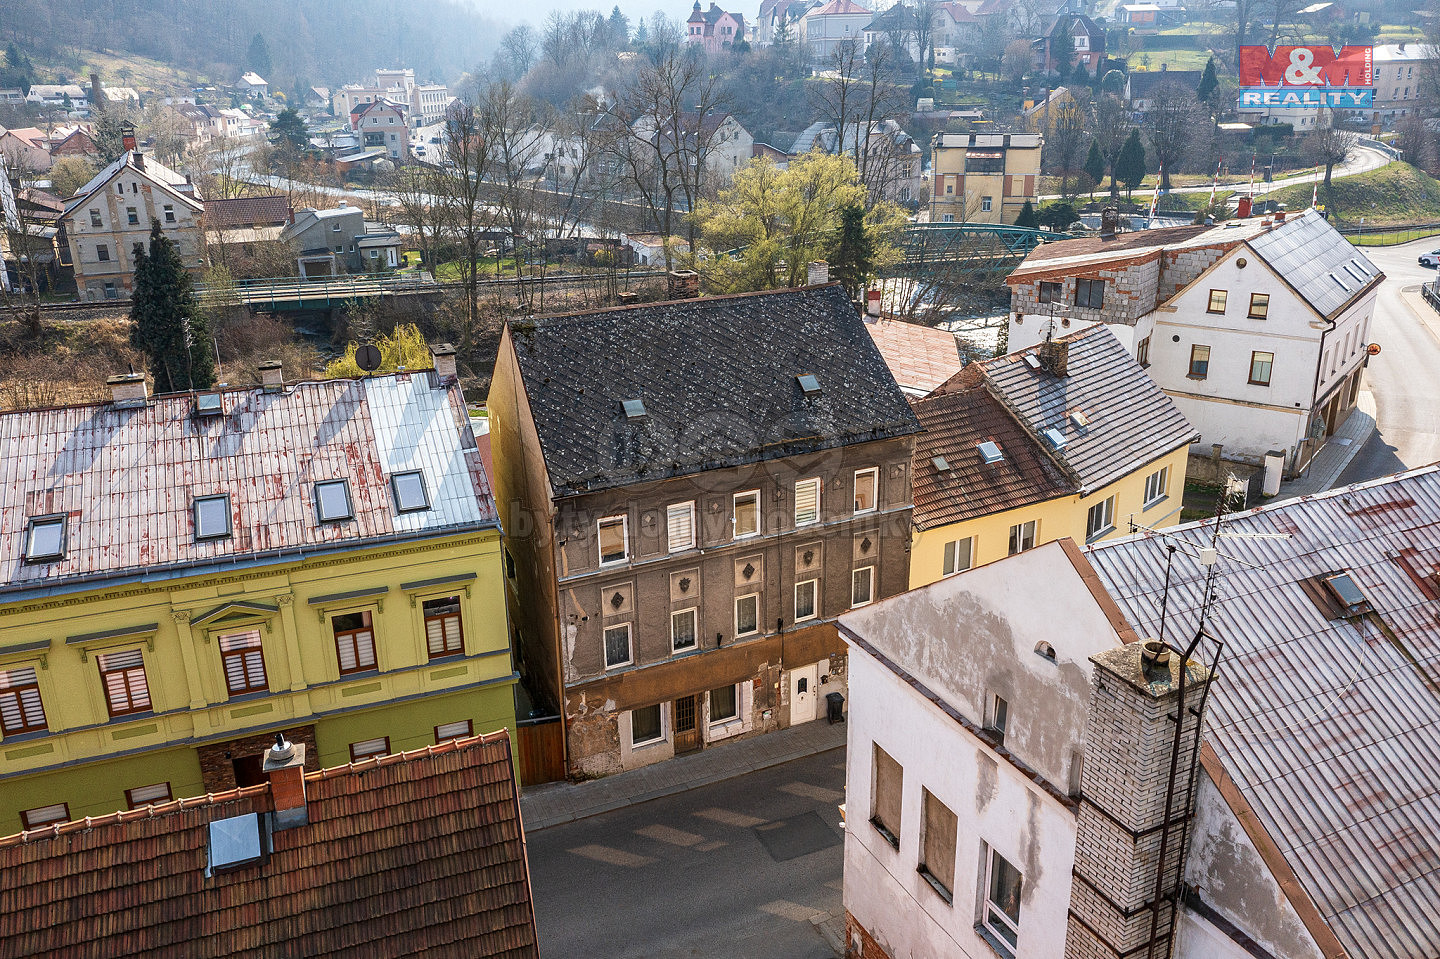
x=535, y=11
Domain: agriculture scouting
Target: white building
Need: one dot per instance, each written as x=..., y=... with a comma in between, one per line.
x=840, y=21
x=1399, y=69
x=56, y=94
x=1257, y=328
x=254, y=86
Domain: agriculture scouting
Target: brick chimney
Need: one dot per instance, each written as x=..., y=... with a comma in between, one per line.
x=1126, y=792
x=817, y=273
x=1055, y=356
x=272, y=377
x=872, y=302
x=128, y=390
x=444, y=356
x=683, y=284
x=1109, y=222
x=97, y=93
x=285, y=768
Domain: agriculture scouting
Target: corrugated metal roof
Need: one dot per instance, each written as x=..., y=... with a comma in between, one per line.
x=126, y=478
x=1313, y=257
x=1328, y=725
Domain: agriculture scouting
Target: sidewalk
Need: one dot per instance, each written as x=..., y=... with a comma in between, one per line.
x=1337, y=452
x=554, y=803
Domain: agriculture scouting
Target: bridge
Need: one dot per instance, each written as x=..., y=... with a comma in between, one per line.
x=293, y=294
x=975, y=247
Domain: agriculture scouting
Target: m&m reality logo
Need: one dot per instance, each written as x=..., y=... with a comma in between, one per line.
x=1308, y=76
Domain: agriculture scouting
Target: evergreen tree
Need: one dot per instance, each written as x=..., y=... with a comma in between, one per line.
x=1130, y=165
x=854, y=258
x=1028, y=217
x=288, y=132
x=166, y=323
x=619, y=28
x=1208, y=82
x=642, y=34
x=258, y=59
x=1094, y=166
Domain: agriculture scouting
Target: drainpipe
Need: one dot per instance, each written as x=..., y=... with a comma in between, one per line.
x=1315, y=387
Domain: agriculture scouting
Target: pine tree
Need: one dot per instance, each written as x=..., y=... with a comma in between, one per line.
x=1028, y=217
x=1094, y=166
x=166, y=323
x=258, y=59
x=854, y=257
x=1130, y=165
x=1208, y=82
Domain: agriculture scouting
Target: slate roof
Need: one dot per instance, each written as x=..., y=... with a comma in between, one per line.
x=1328, y=724
x=247, y=211
x=1311, y=255
x=1142, y=84
x=154, y=171
x=419, y=853
x=718, y=376
x=126, y=478
x=1132, y=421
x=957, y=421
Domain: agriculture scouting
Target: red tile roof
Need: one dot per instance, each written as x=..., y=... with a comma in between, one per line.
x=420, y=853
x=920, y=357
x=247, y=211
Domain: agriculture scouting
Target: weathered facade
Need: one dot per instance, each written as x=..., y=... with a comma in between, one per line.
x=983, y=177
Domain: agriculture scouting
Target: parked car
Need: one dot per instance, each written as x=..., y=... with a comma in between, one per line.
x=1431, y=259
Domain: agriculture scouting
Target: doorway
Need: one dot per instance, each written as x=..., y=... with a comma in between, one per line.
x=249, y=770
x=803, y=695
x=687, y=727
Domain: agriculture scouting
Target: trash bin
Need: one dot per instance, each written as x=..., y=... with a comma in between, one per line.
x=834, y=704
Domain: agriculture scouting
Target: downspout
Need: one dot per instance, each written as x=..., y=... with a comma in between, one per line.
x=1315, y=387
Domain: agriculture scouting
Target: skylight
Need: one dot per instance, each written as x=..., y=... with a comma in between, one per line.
x=209, y=404
x=332, y=500
x=1057, y=439
x=1344, y=589
x=940, y=463
x=235, y=842
x=45, y=539
x=990, y=451
x=1341, y=282
x=808, y=383
x=634, y=409
x=1032, y=361
x=212, y=517
x=1078, y=417
x=410, y=493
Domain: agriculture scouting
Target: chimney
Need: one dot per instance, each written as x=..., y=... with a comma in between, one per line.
x=1243, y=209
x=272, y=377
x=128, y=390
x=1280, y=213
x=127, y=139
x=290, y=214
x=97, y=93
x=444, y=356
x=872, y=302
x=818, y=273
x=1109, y=222
x=684, y=284
x=1055, y=356
x=285, y=768
x=1128, y=794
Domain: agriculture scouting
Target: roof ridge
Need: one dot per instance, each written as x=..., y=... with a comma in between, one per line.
x=583, y=314
x=409, y=755
x=58, y=829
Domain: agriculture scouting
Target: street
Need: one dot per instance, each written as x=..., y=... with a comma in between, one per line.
x=1405, y=377
x=735, y=870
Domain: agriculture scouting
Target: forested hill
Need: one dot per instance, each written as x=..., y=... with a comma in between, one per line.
x=319, y=41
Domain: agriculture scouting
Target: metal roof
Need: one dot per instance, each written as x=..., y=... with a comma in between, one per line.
x=1328, y=723
x=126, y=478
x=1312, y=256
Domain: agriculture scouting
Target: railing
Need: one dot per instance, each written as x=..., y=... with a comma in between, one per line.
x=297, y=291
x=1431, y=292
x=1391, y=235
x=1384, y=148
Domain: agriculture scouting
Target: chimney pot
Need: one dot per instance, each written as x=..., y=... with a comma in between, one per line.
x=128, y=390
x=272, y=376
x=284, y=766
x=818, y=273
x=444, y=357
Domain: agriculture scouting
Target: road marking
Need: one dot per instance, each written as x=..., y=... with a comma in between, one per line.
x=613, y=857
x=729, y=818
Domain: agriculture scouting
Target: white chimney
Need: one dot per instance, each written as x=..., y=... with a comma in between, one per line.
x=272, y=377
x=128, y=390
x=819, y=273
x=444, y=357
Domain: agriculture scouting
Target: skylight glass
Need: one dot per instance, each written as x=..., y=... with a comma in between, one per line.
x=634, y=409
x=410, y=494
x=1345, y=590
x=808, y=383
x=45, y=540
x=1032, y=361
x=209, y=404
x=940, y=463
x=212, y=517
x=1057, y=439
x=990, y=451
x=332, y=500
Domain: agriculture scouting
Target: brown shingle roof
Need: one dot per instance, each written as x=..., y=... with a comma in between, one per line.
x=1120, y=243
x=247, y=211
x=420, y=853
x=920, y=357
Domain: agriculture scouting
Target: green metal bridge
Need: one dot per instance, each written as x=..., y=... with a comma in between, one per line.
x=982, y=247
x=294, y=294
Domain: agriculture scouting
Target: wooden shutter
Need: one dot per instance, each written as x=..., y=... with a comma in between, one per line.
x=939, y=841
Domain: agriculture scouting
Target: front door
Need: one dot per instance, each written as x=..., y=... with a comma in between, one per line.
x=802, y=693
x=687, y=729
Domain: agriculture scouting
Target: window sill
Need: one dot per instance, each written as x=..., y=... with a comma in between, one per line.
x=886, y=834
x=613, y=563
x=131, y=717
x=1197, y=376
x=1100, y=534
x=10, y=738
x=1001, y=947
x=634, y=747
x=618, y=666
x=937, y=885
x=251, y=696
x=1151, y=504
x=1266, y=385
x=360, y=674
x=447, y=658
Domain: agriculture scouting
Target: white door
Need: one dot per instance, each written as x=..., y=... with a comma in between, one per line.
x=803, y=695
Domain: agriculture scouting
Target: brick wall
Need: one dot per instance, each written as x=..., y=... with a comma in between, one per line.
x=217, y=768
x=858, y=942
x=1182, y=266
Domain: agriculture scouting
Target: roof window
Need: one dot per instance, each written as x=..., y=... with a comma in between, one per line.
x=45, y=539
x=410, y=493
x=990, y=451
x=1032, y=361
x=1342, y=587
x=1057, y=439
x=212, y=516
x=209, y=404
x=634, y=409
x=940, y=463
x=1341, y=282
x=332, y=500
x=234, y=843
x=1078, y=417
x=808, y=383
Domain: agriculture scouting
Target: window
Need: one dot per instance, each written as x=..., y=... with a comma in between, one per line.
x=807, y=502
x=244, y=663
x=45, y=539
x=460, y=729
x=1101, y=518
x=1199, y=362
x=102, y=252
x=1090, y=293
x=889, y=779
x=617, y=645
x=1217, y=301
x=862, y=586
x=959, y=555
x=938, y=831
x=724, y=704
x=335, y=228
x=1000, y=913
x=985, y=203
x=443, y=635
x=1051, y=292
x=110, y=292
x=332, y=500
x=747, y=513
x=94, y=217
x=866, y=484
x=947, y=217
x=645, y=725
x=410, y=492
x=212, y=516
x=1260, y=366
x=997, y=716
x=123, y=676
x=147, y=795
x=1142, y=352
x=1259, y=306
x=683, y=629
x=369, y=747
x=354, y=641
x=44, y=815
x=1022, y=537
x=747, y=614
x=613, y=540
x=169, y=213
x=131, y=215
x=20, y=708
x=805, y=600
x=1156, y=485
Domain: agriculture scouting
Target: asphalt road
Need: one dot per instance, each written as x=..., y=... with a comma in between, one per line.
x=734, y=870
x=1405, y=377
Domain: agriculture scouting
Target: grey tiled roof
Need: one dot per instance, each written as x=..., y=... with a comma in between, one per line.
x=718, y=379
x=126, y=478
x=1312, y=256
x=1132, y=421
x=1328, y=724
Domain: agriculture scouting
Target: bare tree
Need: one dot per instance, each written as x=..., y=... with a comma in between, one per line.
x=464, y=215
x=1171, y=125
x=1329, y=144
x=1112, y=126
x=1065, y=145
x=1016, y=61
x=219, y=169
x=26, y=244
x=927, y=15
x=519, y=48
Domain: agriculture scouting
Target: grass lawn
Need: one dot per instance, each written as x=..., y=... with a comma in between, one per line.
x=450, y=272
x=1173, y=59
x=1397, y=193
x=1392, y=237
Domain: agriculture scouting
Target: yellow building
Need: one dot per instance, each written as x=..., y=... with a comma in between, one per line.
x=187, y=575
x=983, y=177
x=1069, y=438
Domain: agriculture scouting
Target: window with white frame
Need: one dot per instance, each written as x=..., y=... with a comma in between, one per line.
x=379, y=746
x=646, y=726
x=862, y=586
x=807, y=502
x=147, y=795
x=807, y=595
x=243, y=662
x=122, y=674
x=1000, y=908
x=1022, y=537
x=680, y=526
x=21, y=710
x=1101, y=518
x=617, y=645
x=747, y=614
x=683, y=629
x=746, y=518
x=867, y=484
x=939, y=829
x=887, y=782
x=613, y=539
x=959, y=556
x=724, y=704
x=1157, y=484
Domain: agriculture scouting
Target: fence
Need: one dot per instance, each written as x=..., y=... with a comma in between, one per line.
x=541, y=747
x=1384, y=148
x=1389, y=235
x=1431, y=291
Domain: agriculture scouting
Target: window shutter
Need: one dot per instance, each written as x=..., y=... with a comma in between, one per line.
x=680, y=526
x=807, y=502
x=435, y=635
x=139, y=693
x=346, y=650
x=365, y=647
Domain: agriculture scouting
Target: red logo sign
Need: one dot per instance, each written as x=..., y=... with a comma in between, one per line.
x=1318, y=66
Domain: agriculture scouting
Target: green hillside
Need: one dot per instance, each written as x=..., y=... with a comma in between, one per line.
x=1398, y=193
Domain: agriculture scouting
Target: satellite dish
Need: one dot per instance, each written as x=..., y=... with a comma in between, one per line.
x=367, y=358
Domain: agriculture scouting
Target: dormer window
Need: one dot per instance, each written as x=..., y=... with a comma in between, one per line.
x=332, y=501
x=45, y=539
x=212, y=517
x=410, y=493
x=1342, y=587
